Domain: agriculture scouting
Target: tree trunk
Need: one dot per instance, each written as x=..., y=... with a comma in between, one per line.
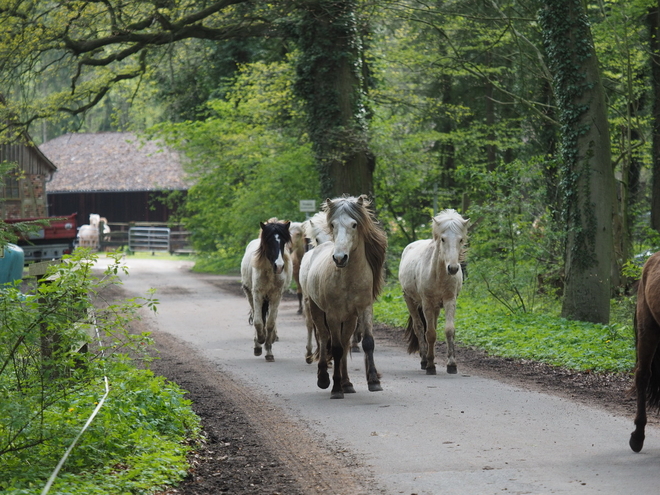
x=330, y=82
x=587, y=176
x=653, y=19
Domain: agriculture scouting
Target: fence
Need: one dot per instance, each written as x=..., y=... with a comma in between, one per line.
x=149, y=239
x=142, y=236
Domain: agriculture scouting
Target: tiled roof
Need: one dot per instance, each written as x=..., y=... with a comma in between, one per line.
x=112, y=161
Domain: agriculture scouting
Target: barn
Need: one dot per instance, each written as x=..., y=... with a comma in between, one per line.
x=23, y=189
x=114, y=174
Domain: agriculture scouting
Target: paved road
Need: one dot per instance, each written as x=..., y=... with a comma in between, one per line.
x=443, y=434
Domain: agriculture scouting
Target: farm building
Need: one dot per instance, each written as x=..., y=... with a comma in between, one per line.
x=23, y=189
x=113, y=174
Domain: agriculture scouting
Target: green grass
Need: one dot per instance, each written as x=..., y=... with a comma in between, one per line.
x=539, y=336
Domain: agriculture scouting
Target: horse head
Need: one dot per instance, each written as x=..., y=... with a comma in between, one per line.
x=450, y=235
x=274, y=238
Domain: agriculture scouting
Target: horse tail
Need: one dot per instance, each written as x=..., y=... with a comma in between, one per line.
x=653, y=388
x=413, y=341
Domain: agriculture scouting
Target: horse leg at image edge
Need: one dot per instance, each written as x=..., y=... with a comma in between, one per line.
x=259, y=324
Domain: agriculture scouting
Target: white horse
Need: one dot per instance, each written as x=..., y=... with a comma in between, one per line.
x=431, y=278
x=340, y=281
x=316, y=229
x=265, y=274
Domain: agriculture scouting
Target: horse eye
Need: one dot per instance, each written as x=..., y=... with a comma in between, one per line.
x=355, y=225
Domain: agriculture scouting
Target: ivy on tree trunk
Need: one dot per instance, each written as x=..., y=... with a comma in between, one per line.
x=586, y=175
x=329, y=80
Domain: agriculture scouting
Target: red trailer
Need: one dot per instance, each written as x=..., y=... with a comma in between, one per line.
x=50, y=242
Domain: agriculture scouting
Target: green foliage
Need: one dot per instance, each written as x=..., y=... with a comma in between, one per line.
x=516, y=251
x=538, y=336
x=250, y=161
x=49, y=387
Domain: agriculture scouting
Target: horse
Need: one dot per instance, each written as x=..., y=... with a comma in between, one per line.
x=316, y=229
x=265, y=274
x=431, y=277
x=340, y=281
x=298, y=248
x=647, y=344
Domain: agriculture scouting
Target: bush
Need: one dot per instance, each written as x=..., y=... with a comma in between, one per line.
x=49, y=389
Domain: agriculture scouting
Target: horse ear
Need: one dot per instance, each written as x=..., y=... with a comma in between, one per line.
x=361, y=199
x=262, y=225
x=326, y=204
x=287, y=225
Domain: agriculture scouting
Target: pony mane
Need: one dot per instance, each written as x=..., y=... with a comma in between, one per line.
x=375, y=240
x=269, y=230
x=450, y=219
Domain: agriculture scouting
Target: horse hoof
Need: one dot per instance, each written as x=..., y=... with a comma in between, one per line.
x=348, y=388
x=257, y=351
x=323, y=382
x=430, y=371
x=337, y=395
x=270, y=358
x=424, y=365
x=451, y=369
x=300, y=311
x=309, y=359
x=636, y=444
x=261, y=340
x=375, y=387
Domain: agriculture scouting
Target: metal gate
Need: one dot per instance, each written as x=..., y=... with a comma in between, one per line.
x=149, y=239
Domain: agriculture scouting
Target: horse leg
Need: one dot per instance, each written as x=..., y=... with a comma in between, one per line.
x=347, y=333
x=365, y=322
x=419, y=326
x=431, y=318
x=357, y=338
x=647, y=346
x=300, y=303
x=450, y=330
x=318, y=316
x=271, y=327
x=309, y=323
x=261, y=306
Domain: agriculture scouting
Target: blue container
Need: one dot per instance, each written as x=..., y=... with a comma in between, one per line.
x=11, y=264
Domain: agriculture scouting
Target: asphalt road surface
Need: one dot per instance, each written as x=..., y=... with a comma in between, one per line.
x=443, y=434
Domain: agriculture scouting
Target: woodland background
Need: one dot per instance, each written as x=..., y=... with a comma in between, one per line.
x=538, y=120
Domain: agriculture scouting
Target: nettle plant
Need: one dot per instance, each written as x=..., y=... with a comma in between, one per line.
x=49, y=350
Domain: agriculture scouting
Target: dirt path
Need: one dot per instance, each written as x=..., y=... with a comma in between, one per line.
x=255, y=447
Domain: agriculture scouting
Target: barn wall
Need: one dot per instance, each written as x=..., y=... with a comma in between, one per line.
x=35, y=170
x=117, y=207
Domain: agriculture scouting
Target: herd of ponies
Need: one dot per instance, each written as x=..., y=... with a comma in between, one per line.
x=337, y=259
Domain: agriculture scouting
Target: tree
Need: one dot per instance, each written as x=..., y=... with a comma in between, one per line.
x=586, y=176
x=330, y=82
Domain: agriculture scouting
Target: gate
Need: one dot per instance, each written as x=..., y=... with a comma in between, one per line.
x=149, y=239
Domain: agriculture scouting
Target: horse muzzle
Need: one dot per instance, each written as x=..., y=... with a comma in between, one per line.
x=452, y=269
x=278, y=269
x=340, y=261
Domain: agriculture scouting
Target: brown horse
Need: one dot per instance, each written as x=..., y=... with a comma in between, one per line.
x=298, y=245
x=647, y=335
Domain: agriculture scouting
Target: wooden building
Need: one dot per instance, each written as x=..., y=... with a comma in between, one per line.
x=23, y=189
x=113, y=174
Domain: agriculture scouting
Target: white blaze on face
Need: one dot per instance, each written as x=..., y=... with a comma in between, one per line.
x=279, y=262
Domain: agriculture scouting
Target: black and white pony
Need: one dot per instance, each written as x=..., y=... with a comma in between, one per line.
x=265, y=273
